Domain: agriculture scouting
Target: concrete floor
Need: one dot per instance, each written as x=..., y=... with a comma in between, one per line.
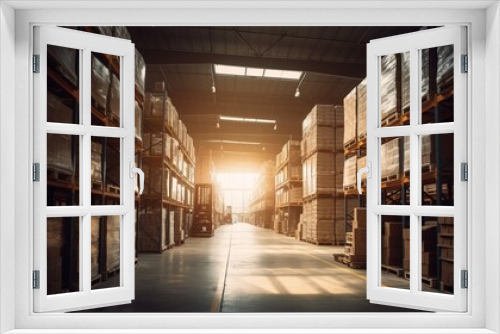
x=248, y=269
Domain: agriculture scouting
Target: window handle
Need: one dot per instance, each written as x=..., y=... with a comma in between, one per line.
x=134, y=170
x=367, y=170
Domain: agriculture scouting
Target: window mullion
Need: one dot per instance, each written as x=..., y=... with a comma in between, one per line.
x=415, y=174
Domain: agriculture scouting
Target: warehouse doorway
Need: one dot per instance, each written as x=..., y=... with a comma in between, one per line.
x=305, y=158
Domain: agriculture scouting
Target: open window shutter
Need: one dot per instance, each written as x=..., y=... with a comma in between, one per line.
x=83, y=142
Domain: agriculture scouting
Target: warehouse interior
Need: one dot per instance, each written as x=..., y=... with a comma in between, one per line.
x=250, y=139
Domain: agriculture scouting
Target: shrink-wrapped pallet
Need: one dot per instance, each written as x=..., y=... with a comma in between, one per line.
x=113, y=109
x=138, y=121
x=390, y=159
x=428, y=79
x=59, y=153
x=390, y=86
x=121, y=32
x=445, y=66
x=105, y=30
x=361, y=109
x=100, y=81
x=57, y=111
x=140, y=73
x=350, y=117
x=350, y=172
x=96, y=162
x=65, y=62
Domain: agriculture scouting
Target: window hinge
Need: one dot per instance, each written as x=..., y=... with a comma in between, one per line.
x=464, y=171
x=465, y=64
x=36, y=63
x=464, y=279
x=36, y=172
x=36, y=279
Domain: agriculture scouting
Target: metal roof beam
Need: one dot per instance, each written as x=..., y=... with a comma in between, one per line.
x=180, y=57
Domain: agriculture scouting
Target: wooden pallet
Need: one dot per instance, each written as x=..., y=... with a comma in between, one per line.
x=393, y=270
x=346, y=260
x=349, y=187
x=390, y=178
x=362, y=137
x=429, y=281
x=390, y=119
x=349, y=143
x=317, y=243
x=96, y=184
x=59, y=175
x=428, y=168
x=113, y=189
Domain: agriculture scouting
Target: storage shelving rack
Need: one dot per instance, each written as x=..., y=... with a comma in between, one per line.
x=288, y=179
x=168, y=160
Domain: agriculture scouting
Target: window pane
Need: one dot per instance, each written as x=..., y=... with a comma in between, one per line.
x=390, y=90
x=105, y=170
x=105, y=89
x=437, y=169
x=105, y=252
x=393, y=251
x=63, y=255
x=437, y=254
x=437, y=84
x=63, y=76
x=394, y=170
x=63, y=170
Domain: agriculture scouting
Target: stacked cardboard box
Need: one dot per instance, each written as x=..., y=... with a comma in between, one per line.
x=55, y=247
x=356, y=240
x=361, y=110
x=392, y=244
x=140, y=73
x=138, y=120
x=428, y=79
x=429, y=249
x=406, y=241
x=96, y=162
x=350, y=117
x=322, y=132
x=262, y=197
x=153, y=230
x=446, y=250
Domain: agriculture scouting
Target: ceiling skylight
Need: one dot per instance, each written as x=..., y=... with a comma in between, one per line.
x=257, y=72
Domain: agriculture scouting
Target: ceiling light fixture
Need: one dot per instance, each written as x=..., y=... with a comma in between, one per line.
x=214, y=90
x=297, y=90
x=275, y=126
x=246, y=120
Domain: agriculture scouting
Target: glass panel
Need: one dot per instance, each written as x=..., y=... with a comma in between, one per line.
x=63, y=69
x=62, y=170
x=105, y=89
x=63, y=255
x=437, y=254
x=390, y=90
x=105, y=252
x=105, y=169
x=395, y=169
x=393, y=251
x=437, y=169
x=437, y=84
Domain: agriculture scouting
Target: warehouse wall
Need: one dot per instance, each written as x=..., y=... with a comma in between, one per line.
x=492, y=162
x=7, y=160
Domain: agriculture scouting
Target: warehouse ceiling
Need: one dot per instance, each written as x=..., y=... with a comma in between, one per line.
x=333, y=60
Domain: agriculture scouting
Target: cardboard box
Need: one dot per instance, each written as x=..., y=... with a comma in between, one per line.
x=406, y=234
x=406, y=264
x=393, y=229
x=429, y=258
x=392, y=243
x=359, y=218
x=429, y=270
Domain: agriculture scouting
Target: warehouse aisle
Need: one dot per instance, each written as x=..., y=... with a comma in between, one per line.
x=244, y=268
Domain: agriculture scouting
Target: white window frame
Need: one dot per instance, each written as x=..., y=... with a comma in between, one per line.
x=484, y=50
x=414, y=296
